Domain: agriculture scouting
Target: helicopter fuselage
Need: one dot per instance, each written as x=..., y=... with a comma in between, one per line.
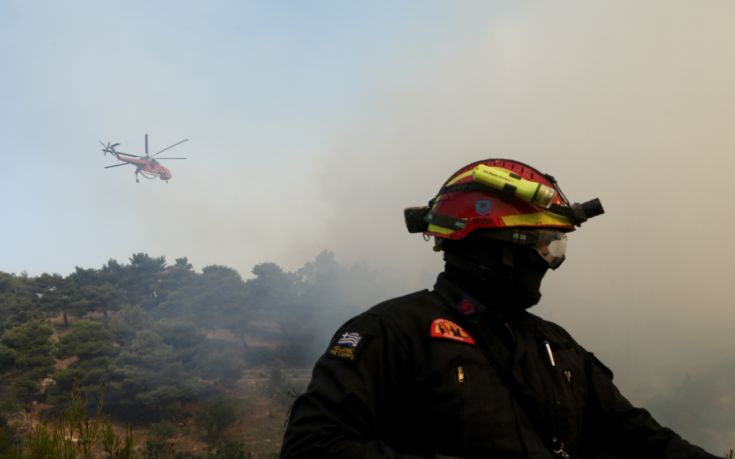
x=148, y=166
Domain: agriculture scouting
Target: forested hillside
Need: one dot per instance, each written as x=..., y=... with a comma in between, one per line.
x=203, y=364
x=161, y=338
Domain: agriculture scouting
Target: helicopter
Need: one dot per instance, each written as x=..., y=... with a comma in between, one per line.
x=147, y=166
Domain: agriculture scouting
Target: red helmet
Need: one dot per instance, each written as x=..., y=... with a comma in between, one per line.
x=498, y=194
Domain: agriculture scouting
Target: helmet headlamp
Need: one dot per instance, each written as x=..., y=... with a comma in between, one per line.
x=512, y=184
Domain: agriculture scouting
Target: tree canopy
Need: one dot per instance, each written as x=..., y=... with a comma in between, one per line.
x=157, y=335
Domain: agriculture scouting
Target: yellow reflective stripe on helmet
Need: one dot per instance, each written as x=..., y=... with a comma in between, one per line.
x=440, y=196
x=459, y=177
x=536, y=219
x=440, y=230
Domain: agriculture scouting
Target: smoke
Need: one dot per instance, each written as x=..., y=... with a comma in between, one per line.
x=627, y=101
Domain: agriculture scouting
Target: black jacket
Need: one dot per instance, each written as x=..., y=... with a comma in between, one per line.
x=437, y=374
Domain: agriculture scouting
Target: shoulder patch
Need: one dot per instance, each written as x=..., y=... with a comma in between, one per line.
x=446, y=329
x=345, y=346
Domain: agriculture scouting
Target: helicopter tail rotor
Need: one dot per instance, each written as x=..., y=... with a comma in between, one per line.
x=108, y=148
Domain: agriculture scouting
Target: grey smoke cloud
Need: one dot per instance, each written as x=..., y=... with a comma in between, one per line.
x=628, y=101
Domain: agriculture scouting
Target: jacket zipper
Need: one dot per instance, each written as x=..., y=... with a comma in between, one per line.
x=460, y=374
x=464, y=439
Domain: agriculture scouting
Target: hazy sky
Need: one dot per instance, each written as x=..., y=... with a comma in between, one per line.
x=313, y=124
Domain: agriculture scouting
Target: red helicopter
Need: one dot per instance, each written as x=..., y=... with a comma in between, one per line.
x=147, y=165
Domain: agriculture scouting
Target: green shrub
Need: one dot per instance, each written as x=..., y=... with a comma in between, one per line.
x=214, y=417
x=230, y=450
x=74, y=435
x=163, y=430
x=158, y=448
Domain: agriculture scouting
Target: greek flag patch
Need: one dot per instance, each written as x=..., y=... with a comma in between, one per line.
x=350, y=339
x=345, y=346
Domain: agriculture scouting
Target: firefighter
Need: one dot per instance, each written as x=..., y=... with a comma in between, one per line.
x=464, y=370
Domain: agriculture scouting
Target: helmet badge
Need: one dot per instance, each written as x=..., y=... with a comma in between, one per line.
x=482, y=206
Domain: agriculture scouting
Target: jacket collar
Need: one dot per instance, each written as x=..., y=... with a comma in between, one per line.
x=469, y=307
x=458, y=300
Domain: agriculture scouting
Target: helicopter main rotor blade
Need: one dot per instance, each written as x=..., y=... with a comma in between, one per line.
x=118, y=165
x=177, y=143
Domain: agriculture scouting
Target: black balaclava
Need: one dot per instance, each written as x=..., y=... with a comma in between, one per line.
x=505, y=277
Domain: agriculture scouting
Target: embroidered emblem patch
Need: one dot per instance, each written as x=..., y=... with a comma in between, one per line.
x=443, y=328
x=467, y=306
x=482, y=206
x=345, y=346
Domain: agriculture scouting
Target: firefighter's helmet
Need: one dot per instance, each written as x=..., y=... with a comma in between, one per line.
x=498, y=194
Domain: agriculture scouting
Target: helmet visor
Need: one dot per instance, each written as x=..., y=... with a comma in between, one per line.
x=550, y=245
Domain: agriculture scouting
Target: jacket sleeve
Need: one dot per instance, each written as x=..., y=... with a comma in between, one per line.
x=345, y=409
x=630, y=432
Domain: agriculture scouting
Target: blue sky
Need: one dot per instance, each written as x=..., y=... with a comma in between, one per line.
x=258, y=87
